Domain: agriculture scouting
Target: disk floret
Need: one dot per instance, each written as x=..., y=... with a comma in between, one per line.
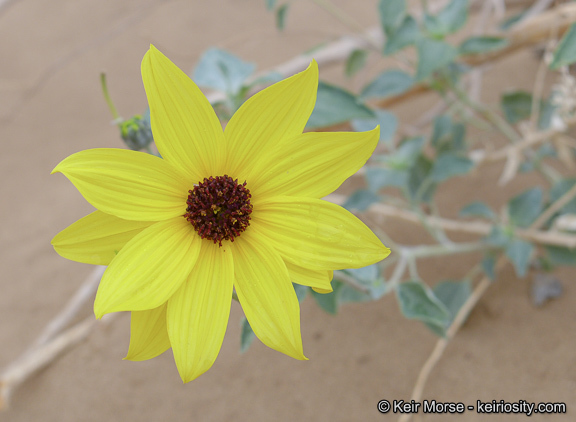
x=219, y=208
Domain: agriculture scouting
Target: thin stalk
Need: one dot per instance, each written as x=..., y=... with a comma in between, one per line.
x=111, y=105
x=346, y=20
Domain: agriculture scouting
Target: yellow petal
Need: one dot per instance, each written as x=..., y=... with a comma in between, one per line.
x=266, y=294
x=316, y=234
x=148, y=334
x=97, y=238
x=319, y=280
x=198, y=312
x=186, y=130
x=128, y=184
x=314, y=164
x=276, y=113
x=149, y=269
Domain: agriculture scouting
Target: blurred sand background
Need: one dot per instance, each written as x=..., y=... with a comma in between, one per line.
x=51, y=106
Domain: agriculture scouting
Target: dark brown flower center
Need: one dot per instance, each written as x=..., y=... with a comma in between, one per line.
x=219, y=208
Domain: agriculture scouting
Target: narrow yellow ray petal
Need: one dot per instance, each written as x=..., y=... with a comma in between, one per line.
x=266, y=294
x=186, y=130
x=128, y=184
x=265, y=119
x=319, y=280
x=316, y=234
x=149, y=269
x=198, y=312
x=148, y=334
x=97, y=238
x=314, y=164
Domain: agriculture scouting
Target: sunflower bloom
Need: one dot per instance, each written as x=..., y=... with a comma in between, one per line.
x=222, y=210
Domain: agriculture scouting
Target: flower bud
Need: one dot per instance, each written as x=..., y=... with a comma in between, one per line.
x=136, y=132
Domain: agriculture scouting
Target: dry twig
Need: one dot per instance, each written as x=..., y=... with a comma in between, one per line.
x=51, y=344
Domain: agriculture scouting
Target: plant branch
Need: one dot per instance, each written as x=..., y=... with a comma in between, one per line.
x=50, y=344
x=476, y=227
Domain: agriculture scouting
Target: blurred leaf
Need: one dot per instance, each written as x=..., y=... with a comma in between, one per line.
x=301, y=291
x=565, y=54
x=442, y=130
x=452, y=294
x=335, y=105
x=498, y=237
x=407, y=34
x=392, y=13
x=271, y=4
x=379, y=178
x=454, y=16
x=417, y=301
x=361, y=200
x=449, y=20
x=406, y=154
x=356, y=61
x=246, y=335
x=517, y=106
x=388, y=84
x=512, y=20
x=547, y=110
x=448, y=165
x=477, y=209
x=559, y=189
x=220, y=70
x=519, y=252
x=478, y=45
x=328, y=301
x=368, y=277
x=387, y=121
x=523, y=209
x=365, y=274
x=559, y=255
x=446, y=136
x=349, y=294
x=281, y=16
x=488, y=265
x=433, y=55
x=419, y=174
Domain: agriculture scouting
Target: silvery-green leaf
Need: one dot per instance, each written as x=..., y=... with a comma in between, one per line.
x=417, y=301
x=519, y=252
x=378, y=178
x=246, y=335
x=220, y=70
x=565, y=54
x=392, y=13
x=335, y=105
x=523, y=209
x=405, y=35
x=388, y=84
x=448, y=165
x=356, y=61
x=478, y=209
x=387, y=121
x=361, y=200
x=432, y=56
x=482, y=44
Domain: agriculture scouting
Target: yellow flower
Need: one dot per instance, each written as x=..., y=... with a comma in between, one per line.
x=222, y=210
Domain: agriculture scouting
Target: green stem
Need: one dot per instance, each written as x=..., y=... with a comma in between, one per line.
x=111, y=105
x=494, y=118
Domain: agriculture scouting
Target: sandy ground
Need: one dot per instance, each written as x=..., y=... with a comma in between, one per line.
x=51, y=106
